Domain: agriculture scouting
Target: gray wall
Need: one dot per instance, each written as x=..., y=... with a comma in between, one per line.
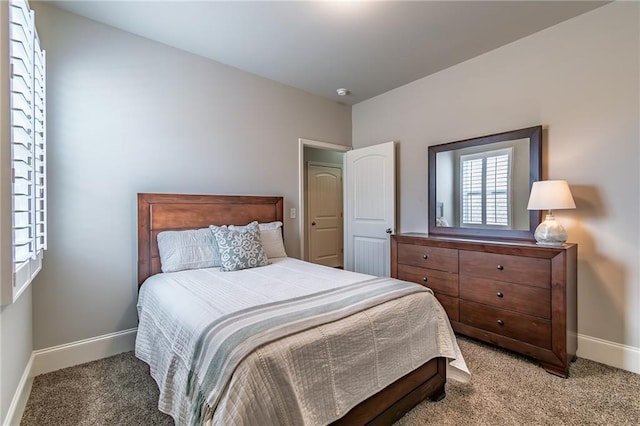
x=15, y=346
x=580, y=80
x=128, y=115
x=322, y=155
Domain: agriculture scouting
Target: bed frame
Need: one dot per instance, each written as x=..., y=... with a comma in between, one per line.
x=163, y=212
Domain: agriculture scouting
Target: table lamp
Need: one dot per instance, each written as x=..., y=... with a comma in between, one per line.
x=550, y=195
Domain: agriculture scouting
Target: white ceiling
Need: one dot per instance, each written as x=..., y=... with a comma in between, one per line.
x=368, y=47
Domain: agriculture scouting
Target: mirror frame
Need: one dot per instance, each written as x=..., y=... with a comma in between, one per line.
x=534, y=134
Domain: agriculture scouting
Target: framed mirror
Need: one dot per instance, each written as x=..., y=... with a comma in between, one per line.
x=479, y=187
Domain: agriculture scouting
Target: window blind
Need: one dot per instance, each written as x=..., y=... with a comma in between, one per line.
x=472, y=191
x=484, y=191
x=28, y=144
x=497, y=184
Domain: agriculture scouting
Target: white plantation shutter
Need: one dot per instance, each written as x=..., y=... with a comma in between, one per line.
x=485, y=193
x=40, y=195
x=497, y=187
x=472, y=191
x=28, y=145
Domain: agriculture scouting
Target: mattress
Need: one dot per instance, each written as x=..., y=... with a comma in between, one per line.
x=312, y=377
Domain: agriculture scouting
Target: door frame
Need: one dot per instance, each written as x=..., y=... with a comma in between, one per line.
x=302, y=143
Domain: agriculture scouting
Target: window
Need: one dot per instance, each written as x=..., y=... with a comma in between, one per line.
x=28, y=145
x=485, y=193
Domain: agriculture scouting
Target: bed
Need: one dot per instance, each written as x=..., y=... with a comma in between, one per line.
x=239, y=399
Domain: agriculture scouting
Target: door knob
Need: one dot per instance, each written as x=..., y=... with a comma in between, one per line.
x=313, y=224
x=388, y=231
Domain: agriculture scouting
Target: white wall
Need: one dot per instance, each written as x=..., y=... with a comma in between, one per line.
x=128, y=115
x=580, y=80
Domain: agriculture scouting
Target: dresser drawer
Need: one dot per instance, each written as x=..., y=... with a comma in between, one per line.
x=442, y=259
x=522, y=270
x=440, y=281
x=526, y=328
x=518, y=295
x=450, y=305
x=521, y=298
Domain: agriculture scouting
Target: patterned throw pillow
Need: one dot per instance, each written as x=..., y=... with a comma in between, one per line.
x=239, y=249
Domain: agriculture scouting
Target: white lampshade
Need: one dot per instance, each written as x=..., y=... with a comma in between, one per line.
x=550, y=195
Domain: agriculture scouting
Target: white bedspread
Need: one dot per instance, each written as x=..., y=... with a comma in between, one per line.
x=312, y=377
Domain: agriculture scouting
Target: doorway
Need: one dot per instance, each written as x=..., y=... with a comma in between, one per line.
x=323, y=242
x=367, y=202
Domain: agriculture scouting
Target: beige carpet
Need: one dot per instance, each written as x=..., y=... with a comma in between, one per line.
x=505, y=389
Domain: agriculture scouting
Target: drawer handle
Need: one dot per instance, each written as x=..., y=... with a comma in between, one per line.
x=425, y=256
x=500, y=267
x=425, y=279
x=500, y=323
x=499, y=294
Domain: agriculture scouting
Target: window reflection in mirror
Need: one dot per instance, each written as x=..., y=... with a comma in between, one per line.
x=479, y=187
x=484, y=186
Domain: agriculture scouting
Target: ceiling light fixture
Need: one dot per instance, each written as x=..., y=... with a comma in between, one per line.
x=342, y=91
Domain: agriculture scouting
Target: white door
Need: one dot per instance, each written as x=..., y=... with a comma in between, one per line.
x=370, y=211
x=325, y=214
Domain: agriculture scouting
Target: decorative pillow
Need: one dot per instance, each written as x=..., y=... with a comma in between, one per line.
x=191, y=249
x=253, y=226
x=239, y=249
x=270, y=235
x=249, y=227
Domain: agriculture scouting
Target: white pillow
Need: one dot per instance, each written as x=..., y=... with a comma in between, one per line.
x=190, y=249
x=271, y=237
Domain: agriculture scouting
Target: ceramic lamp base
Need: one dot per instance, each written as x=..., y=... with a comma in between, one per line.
x=550, y=232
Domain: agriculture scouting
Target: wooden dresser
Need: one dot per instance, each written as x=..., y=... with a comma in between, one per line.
x=516, y=295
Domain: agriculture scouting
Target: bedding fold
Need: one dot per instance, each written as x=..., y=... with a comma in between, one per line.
x=228, y=340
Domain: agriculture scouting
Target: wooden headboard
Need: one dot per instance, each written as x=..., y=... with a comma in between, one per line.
x=170, y=212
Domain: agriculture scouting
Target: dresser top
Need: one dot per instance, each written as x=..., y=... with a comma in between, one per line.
x=459, y=242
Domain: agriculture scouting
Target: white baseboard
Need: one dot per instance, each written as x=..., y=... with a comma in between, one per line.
x=610, y=353
x=70, y=354
x=63, y=356
x=19, y=401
